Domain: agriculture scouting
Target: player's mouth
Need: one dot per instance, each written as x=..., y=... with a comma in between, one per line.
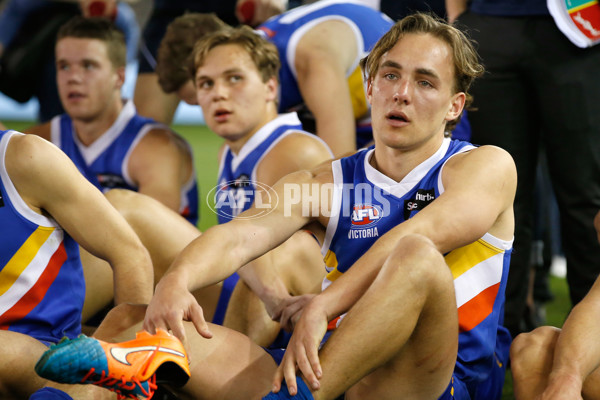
x=222, y=115
x=397, y=118
x=75, y=96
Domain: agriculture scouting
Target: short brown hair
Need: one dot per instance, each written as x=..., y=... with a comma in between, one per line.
x=263, y=53
x=466, y=61
x=97, y=28
x=177, y=45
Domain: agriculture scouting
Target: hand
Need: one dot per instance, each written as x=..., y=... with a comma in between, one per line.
x=255, y=12
x=289, y=310
x=171, y=305
x=303, y=351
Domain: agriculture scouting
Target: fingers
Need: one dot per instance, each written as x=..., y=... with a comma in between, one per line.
x=290, y=315
x=307, y=359
x=197, y=318
x=277, y=379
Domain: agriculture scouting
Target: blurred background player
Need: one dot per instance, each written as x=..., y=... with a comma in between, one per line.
x=149, y=99
x=112, y=146
x=319, y=46
x=236, y=79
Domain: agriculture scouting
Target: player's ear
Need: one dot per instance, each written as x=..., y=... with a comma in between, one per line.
x=120, y=72
x=272, y=88
x=457, y=103
x=369, y=90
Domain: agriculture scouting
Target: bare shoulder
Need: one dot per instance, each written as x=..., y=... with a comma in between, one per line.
x=42, y=130
x=490, y=160
x=327, y=34
x=33, y=165
x=162, y=141
x=297, y=151
x=304, y=147
x=27, y=151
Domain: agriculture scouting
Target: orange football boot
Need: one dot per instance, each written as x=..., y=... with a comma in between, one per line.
x=130, y=369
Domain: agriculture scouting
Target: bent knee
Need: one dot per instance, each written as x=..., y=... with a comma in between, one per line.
x=530, y=346
x=120, y=198
x=416, y=258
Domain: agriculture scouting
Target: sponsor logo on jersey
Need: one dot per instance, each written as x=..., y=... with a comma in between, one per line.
x=364, y=215
x=364, y=218
x=269, y=33
x=111, y=181
x=422, y=199
x=363, y=233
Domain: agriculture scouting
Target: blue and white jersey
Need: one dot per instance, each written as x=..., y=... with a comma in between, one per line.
x=367, y=204
x=237, y=183
x=237, y=173
x=286, y=30
x=42, y=288
x=104, y=162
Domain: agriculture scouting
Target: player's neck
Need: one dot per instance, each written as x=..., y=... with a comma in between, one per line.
x=237, y=144
x=397, y=163
x=89, y=130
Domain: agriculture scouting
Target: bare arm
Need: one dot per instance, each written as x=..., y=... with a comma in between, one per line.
x=219, y=252
x=160, y=165
x=323, y=57
x=479, y=192
x=471, y=205
x=82, y=211
x=454, y=8
x=577, y=354
x=283, y=159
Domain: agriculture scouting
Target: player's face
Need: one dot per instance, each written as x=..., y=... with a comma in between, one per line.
x=411, y=94
x=234, y=99
x=88, y=83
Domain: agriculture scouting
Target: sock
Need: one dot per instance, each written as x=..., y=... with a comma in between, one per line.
x=49, y=393
x=303, y=392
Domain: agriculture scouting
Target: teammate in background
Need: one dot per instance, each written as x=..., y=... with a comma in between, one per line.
x=236, y=78
x=149, y=98
x=112, y=146
x=320, y=46
x=550, y=363
x=46, y=208
x=391, y=214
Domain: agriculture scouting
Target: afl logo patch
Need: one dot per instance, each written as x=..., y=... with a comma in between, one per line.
x=364, y=215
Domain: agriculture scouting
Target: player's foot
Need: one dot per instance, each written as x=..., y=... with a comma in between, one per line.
x=130, y=369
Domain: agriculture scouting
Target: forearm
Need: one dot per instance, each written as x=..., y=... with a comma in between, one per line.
x=344, y=292
x=209, y=259
x=262, y=278
x=134, y=279
x=338, y=133
x=577, y=353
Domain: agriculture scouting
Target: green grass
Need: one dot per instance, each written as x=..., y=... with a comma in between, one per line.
x=206, y=144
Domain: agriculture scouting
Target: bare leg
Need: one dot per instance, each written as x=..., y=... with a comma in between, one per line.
x=296, y=267
x=227, y=366
x=150, y=100
x=164, y=233
x=99, y=289
x=401, y=338
x=18, y=379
